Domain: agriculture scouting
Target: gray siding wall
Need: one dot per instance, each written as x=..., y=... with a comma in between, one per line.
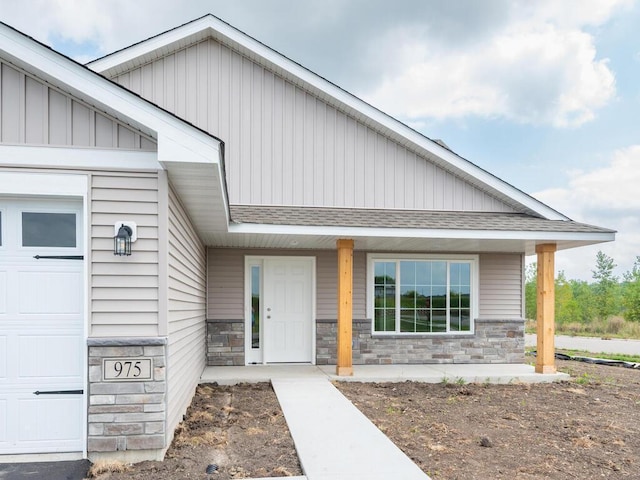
x=501, y=291
x=186, y=311
x=285, y=146
x=32, y=112
x=124, y=290
x=500, y=284
x=226, y=282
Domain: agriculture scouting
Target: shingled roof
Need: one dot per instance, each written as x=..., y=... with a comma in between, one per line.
x=418, y=219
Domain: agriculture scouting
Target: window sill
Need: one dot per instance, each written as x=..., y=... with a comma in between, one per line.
x=392, y=336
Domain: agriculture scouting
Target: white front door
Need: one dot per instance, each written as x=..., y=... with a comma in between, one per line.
x=41, y=326
x=287, y=310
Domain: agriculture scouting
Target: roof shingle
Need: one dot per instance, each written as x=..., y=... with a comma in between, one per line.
x=418, y=219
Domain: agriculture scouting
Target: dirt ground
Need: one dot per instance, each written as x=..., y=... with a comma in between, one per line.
x=586, y=428
x=239, y=429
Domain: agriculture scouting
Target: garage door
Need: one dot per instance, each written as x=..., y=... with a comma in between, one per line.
x=41, y=326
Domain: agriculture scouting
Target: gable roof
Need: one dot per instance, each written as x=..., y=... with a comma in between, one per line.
x=210, y=26
x=193, y=158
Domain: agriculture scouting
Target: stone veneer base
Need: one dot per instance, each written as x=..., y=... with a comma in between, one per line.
x=494, y=341
x=127, y=419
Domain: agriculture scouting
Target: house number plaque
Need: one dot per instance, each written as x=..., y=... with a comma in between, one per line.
x=127, y=369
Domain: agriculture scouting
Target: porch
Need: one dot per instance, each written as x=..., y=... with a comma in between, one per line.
x=431, y=373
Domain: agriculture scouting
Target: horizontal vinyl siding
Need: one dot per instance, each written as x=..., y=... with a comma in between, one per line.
x=284, y=146
x=124, y=290
x=186, y=311
x=226, y=282
x=501, y=293
x=500, y=283
x=34, y=113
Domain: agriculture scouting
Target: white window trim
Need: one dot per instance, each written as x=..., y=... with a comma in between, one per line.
x=475, y=288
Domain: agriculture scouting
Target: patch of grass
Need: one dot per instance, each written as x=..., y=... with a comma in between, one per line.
x=583, y=379
x=192, y=440
x=393, y=410
x=102, y=467
x=612, y=327
x=607, y=356
x=583, y=353
x=201, y=415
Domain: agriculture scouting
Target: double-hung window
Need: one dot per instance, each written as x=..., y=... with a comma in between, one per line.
x=414, y=294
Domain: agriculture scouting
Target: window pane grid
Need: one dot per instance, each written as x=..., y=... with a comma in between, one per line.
x=433, y=296
x=385, y=296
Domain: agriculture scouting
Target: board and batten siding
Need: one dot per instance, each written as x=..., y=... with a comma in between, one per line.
x=286, y=146
x=124, y=290
x=186, y=321
x=226, y=282
x=501, y=286
x=34, y=113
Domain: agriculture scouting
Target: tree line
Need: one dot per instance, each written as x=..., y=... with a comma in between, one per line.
x=579, y=302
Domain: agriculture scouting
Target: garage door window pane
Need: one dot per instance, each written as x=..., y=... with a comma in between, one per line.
x=48, y=229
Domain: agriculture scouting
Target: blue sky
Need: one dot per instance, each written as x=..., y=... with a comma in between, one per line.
x=543, y=93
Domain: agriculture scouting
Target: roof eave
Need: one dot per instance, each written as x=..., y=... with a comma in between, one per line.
x=180, y=145
x=360, y=232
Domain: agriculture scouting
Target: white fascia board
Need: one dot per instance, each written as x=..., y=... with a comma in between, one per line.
x=178, y=148
x=197, y=27
x=118, y=101
x=362, y=232
x=270, y=57
x=42, y=183
x=81, y=158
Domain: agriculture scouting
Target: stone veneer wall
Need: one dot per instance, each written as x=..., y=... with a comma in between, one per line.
x=225, y=342
x=494, y=341
x=127, y=418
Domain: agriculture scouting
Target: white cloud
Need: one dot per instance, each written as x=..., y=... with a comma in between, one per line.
x=607, y=196
x=540, y=67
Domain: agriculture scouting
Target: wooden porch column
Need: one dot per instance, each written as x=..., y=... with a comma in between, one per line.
x=345, y=307
x=545, y=328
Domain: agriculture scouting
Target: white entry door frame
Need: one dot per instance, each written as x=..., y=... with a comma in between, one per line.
x=280, y=309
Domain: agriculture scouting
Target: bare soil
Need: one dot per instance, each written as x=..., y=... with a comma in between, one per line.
x=240, y=429
x=585, y=428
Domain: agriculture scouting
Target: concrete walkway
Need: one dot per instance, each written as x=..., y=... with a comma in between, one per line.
x=591, y=344
x=333, y=439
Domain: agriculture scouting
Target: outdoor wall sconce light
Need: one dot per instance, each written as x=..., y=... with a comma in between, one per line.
x=125, y=235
